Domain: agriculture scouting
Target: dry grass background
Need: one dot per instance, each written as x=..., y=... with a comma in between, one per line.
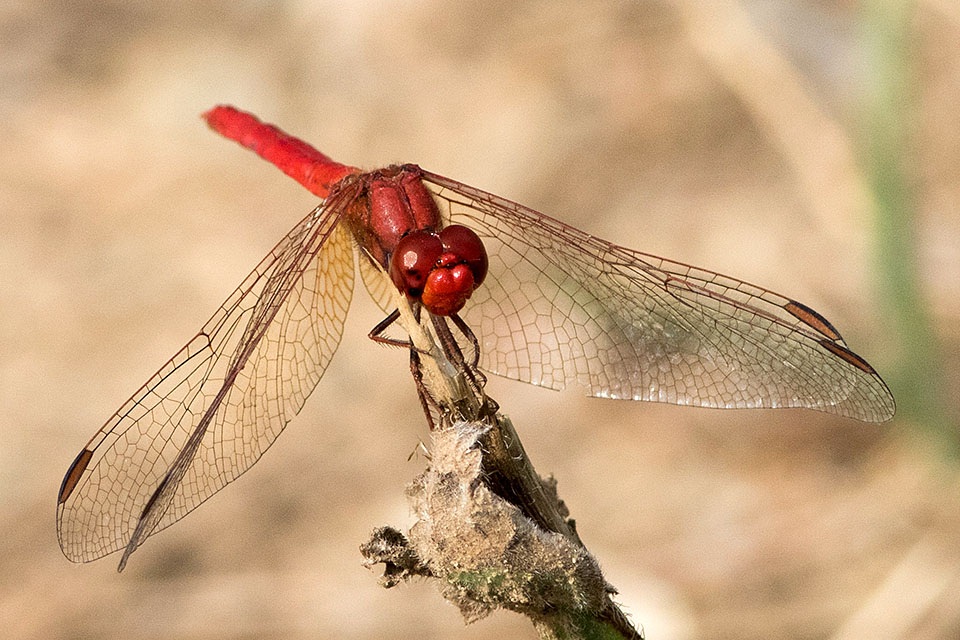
x=721, y=134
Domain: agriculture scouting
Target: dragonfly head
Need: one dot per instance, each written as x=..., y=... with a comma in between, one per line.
x=439, y=269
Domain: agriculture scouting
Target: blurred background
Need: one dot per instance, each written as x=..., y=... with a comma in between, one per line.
x=810, y=147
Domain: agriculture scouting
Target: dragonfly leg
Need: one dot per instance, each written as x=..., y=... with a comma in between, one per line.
x=426, y=400
x=469, y=335
x=376, y=334
x=454, y=353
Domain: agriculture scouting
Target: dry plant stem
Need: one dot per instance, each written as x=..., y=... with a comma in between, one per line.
x=489, y=529
x=774, y=93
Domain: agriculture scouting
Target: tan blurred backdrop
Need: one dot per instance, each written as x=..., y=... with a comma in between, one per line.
x=721, y=134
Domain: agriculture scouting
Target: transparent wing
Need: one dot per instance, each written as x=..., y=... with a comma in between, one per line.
x=560, y=306
x=378, y=284
x=218, y=404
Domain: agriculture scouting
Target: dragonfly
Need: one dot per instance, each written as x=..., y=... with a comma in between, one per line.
x=545, y=303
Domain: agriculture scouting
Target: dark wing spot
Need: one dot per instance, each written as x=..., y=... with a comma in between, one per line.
x=73, y=475
x=847, y=355
x=811, y=318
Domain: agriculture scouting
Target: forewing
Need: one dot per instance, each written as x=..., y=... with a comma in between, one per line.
x=234, y=387
x=560, y=306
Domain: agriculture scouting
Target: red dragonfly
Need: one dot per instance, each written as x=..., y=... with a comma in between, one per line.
x=549, y=304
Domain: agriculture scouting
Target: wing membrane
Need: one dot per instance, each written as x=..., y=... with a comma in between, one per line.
x=218, y=404
x=560, y=306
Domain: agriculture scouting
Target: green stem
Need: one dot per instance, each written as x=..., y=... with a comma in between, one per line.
x=917, y=375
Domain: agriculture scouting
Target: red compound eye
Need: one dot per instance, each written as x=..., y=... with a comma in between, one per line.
x=415, y=256
x=467, y=246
